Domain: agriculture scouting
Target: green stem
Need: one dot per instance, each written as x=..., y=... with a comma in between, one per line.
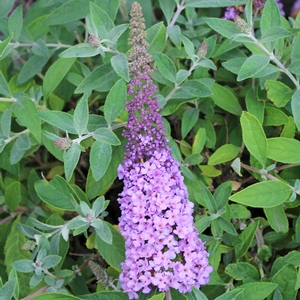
x=59, y=45
x=7, y=99
x=180, y=8
x=287, y=166
x=16, y=135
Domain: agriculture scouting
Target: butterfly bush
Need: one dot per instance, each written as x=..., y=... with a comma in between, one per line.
x=232, y=11
x=162, y=245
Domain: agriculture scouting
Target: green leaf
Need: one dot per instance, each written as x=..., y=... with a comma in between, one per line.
x=286, y=278
x=102, y=295
x=226, y=99
x=256, y=290
x=55, y=296
x=18, y=149
x=100, y=158
x=188, y=46
x=156, y=38
x=34, y=64
x=270, y=17
x=15, y=22
x=254, y=137
x=117, y=31
x=101, y=20
x=40, y=49
x=174, y=33
x=111, y=7
x=199, y=141
x=295, y=103
x=106, y=135
x=160, y=296
x=224, y=27
x=80, y=50
x=59, y=119
x=277, y=218
x=95, y=188
x=294, y=67
x=274, y=34
x=4, y=47
x=254, y=106
x=8, y=289
x=284, y=150
x=231, y=295
x=279, y=93
x=195, y=295
x=297, y=230
x=274, y=117
x=12, y=250
x=255, y=195
x=189, y=119
x=71, y=10
x=14, y=194
x=246, y=237
x=166, y=66
x=113, y=253
x=4, y=88
x=26, y=111
x=55, y=74
x=100, y=79
x=210, y=201
x=214, y=3
x=81, y=115
x=50, y=261
x=195, y=88
x=71, y=158
x=226, y=226
x=5, y=122
x=120, y=64
x=57, y=193
x=252, y=66
x=222, y=193
x=223, y=154
x=104, y=233
x=242, y=271
x=115, y=101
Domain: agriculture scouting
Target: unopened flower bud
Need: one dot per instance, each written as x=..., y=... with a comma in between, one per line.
x=63, y=143
x=94, y=41
x=202, y=50
x=242, y=25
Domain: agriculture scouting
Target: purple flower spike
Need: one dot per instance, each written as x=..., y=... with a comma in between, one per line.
x=162, y=245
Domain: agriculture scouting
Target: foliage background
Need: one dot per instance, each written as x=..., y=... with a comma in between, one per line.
x=232, y=115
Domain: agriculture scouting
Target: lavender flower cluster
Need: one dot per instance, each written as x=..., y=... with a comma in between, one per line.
x=162, y=245
x=232, y=11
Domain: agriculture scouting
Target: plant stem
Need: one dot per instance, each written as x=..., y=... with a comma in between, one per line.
x=16, y=135
x=7, y=99
x=59, y=45
x=275, y=60
x=168, y=295
x=180, y=8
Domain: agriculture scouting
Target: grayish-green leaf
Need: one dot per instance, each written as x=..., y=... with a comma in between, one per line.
x=120, y=64
x=81, y=115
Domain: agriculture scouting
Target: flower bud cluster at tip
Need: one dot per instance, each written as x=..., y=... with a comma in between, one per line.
x=94, y=41
x=161, y=243
x=63, y=143
x=242, y=25
x=202, y=50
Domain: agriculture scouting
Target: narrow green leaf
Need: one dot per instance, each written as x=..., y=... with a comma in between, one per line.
x=102, y=295
x=224, y=27
x=55, y=74
x=120, y=64
x=71, y=158
x=242, y=271
x=226, y=99
x=189, y=119
x=80, y=50
x=160, y=296
x=56, y=193
x=81, y=115
x=111, y=7
x=254, y=137
x=18, y=149
x=167, y=6
x=4, y=47
x=156, y=38
x=113, y=253
x=71, y=10
x=195, y=88
x=296, y=108
x=106, y=135
x=59, y=119
x=284, y=150
x=254, y=106
x=4, y=88
x=115, y=101
x=276, y=192
x=188, y=46
x=246, y=236
x=252, y=66
x=199, y=141
x=274, y=34
x=56, y=295
x=26, y=111
x=14, y=194
x=15, y=22
x=223, y=154
x=117, y=31
x=286, y=278
x=231, y=295
x=210, y=201
x=277, y=218
x=226, y=226
x=174, y=33
x=270, y=17
x=100, y=158
x=100, y=79
x=40, y=49
x=275, y=117
x=279, y=93
x=166, y=66
x=101, y=20
x=295, y=55
x=222, y=193
x=5, y=122
x=256, y=290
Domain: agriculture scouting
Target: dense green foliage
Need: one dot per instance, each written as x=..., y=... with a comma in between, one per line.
x=231, y=105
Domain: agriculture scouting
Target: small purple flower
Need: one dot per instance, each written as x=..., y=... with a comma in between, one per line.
x=162, y=245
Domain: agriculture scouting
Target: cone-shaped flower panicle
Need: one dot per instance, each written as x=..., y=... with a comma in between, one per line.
x=162, y=245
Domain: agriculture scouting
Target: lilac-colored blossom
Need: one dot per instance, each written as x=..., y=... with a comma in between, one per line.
x=162, y=245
